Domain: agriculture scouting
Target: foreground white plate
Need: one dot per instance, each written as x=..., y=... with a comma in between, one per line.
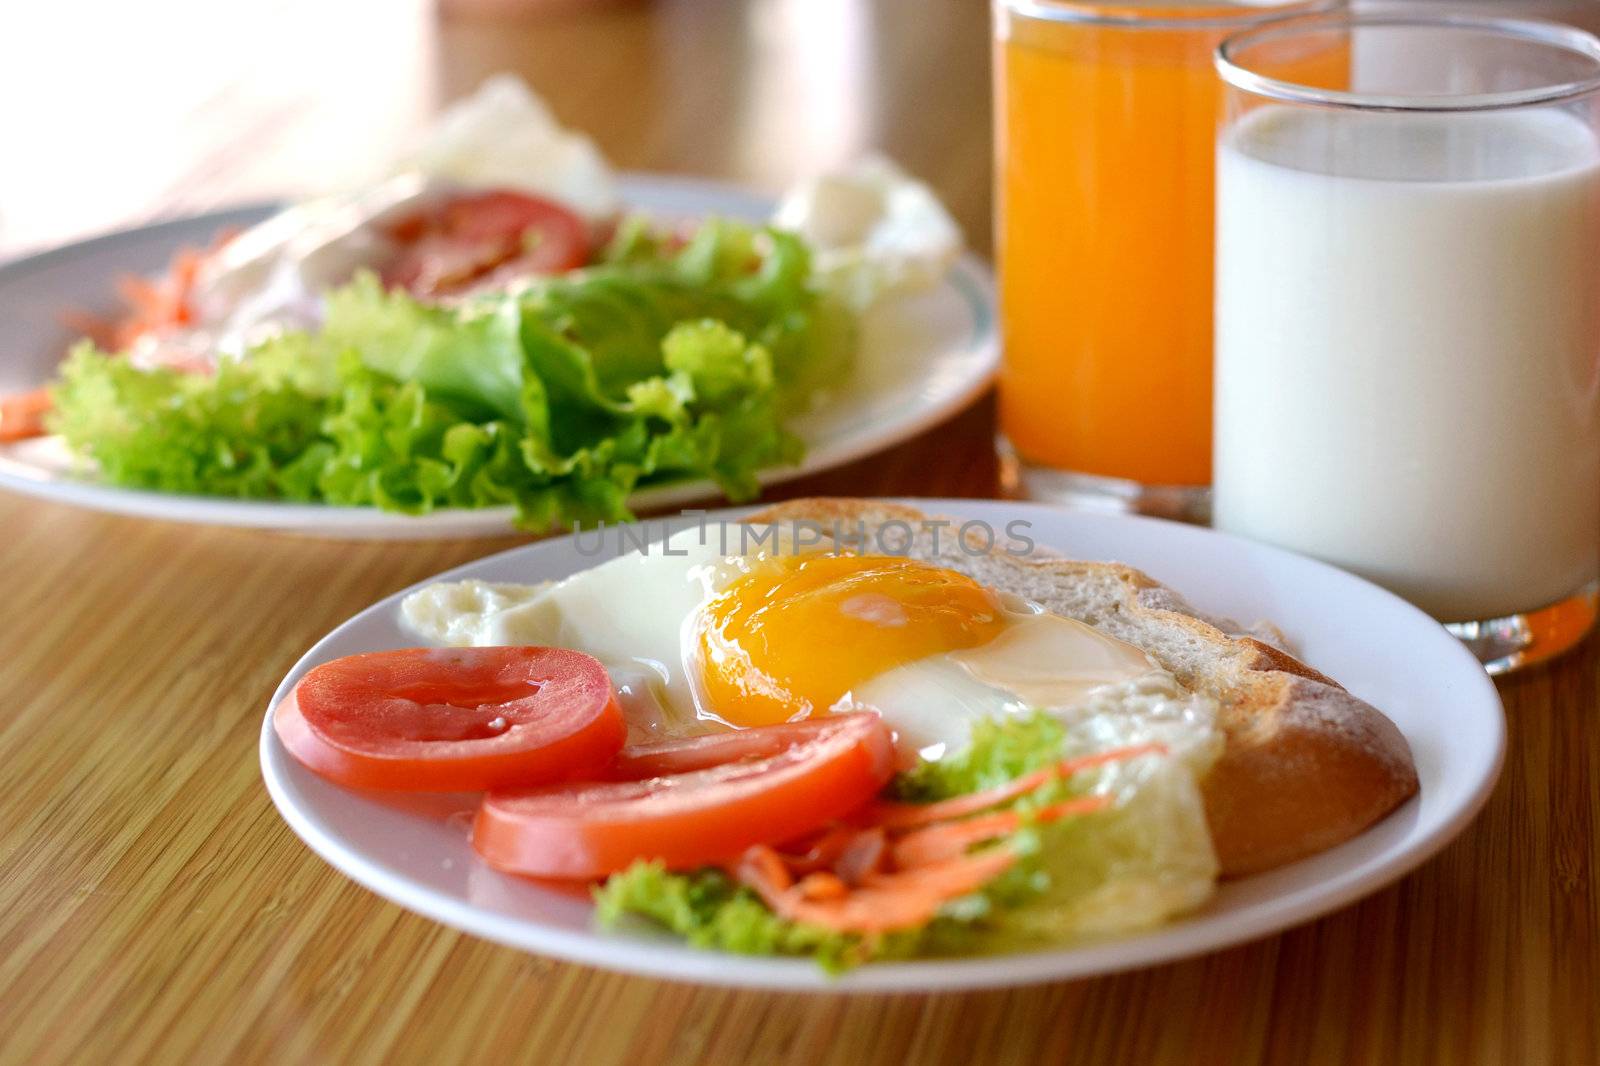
x=416, y=853
x=922, y=359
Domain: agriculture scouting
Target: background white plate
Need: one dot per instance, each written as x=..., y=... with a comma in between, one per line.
x=922, y=359
x=416, y=852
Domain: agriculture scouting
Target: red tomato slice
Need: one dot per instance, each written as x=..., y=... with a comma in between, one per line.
x=453, y=719
x=689, y=819
x=698, y=753
x=468, y=238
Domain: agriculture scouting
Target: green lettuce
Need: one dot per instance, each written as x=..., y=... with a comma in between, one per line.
x=1140, y=861
x=660, y=363
x=243, y=432
x=999, y=751
x=709, y=910
x=471, y=357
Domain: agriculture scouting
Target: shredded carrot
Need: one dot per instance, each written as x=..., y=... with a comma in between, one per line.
x=154, y=305
x=949, y=839
x=164, y=302
x=893, y=865
x=906, y=815
x=186, y=267
x=889, y=902
x=143, y=295
x=762, y=869
x=822, y=885
x=949, y=877
x=22, y=414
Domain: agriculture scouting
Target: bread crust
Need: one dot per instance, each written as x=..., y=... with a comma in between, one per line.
x=1305, y=766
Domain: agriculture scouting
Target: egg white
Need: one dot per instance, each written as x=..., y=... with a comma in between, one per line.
x=638, y=615
x=634, y=613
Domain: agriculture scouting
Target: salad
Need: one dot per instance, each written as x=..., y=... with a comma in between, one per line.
x=484, y=326
x=797, y=839
x=774, y=748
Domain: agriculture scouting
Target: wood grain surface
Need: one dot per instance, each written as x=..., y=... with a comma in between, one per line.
x=153, y=906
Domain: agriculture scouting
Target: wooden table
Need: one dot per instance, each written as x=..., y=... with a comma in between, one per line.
x=153, y=906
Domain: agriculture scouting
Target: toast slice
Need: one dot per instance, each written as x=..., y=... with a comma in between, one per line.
x=1305, y=766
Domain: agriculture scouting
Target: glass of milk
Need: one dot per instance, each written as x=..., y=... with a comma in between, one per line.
x=1408, y=315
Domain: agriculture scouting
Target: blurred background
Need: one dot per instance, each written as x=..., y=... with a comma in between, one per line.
x=114, y=109
x=116, y=113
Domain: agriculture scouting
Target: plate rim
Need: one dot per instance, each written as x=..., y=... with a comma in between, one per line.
x=969, y=277
x=672, y=960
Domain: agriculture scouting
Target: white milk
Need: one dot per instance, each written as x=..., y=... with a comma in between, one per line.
x=1408, y=349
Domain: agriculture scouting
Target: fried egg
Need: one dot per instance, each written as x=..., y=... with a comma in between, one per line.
x=728, y=628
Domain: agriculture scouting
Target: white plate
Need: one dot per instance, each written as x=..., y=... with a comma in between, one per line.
x=416, y=852
x=922, y=359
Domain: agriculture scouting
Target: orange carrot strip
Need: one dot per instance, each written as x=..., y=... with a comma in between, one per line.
x=906, y=815
x=821, y=885
x=889, y=902
x=146, y=298
x=904, y=900
x=156, y=304
x=22, y=414
x=947, y=876
x=185, y=265
x=762, y=869
x=949, y=839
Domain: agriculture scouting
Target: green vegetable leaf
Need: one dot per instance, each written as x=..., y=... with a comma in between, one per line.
x=1000, y=750
x=709, y=910
x=241, y=432
x=718, y=362
x=665, y=362
x=472, y=355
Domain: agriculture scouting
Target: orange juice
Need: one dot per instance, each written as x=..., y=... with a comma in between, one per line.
x=1106, y=121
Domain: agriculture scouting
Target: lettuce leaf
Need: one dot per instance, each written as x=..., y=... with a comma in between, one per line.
x=243, y=432
x=709, y=910
x=662, y=363
x=472, y=356
x=998, y=751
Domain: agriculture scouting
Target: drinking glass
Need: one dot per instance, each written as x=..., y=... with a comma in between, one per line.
x=1105, y=117
x=1408, y=315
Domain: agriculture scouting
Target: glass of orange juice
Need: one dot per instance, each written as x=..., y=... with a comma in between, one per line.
x=1105, y=127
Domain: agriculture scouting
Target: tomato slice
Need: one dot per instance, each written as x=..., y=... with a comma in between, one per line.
x=485, y=237
x=683, y=755
x=694, y=818
x=453, y=719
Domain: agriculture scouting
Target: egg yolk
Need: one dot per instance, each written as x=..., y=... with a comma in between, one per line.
x=794, y=635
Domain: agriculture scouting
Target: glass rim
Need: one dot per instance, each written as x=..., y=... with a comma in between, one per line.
x=1552, y=34
x=1125, y=13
